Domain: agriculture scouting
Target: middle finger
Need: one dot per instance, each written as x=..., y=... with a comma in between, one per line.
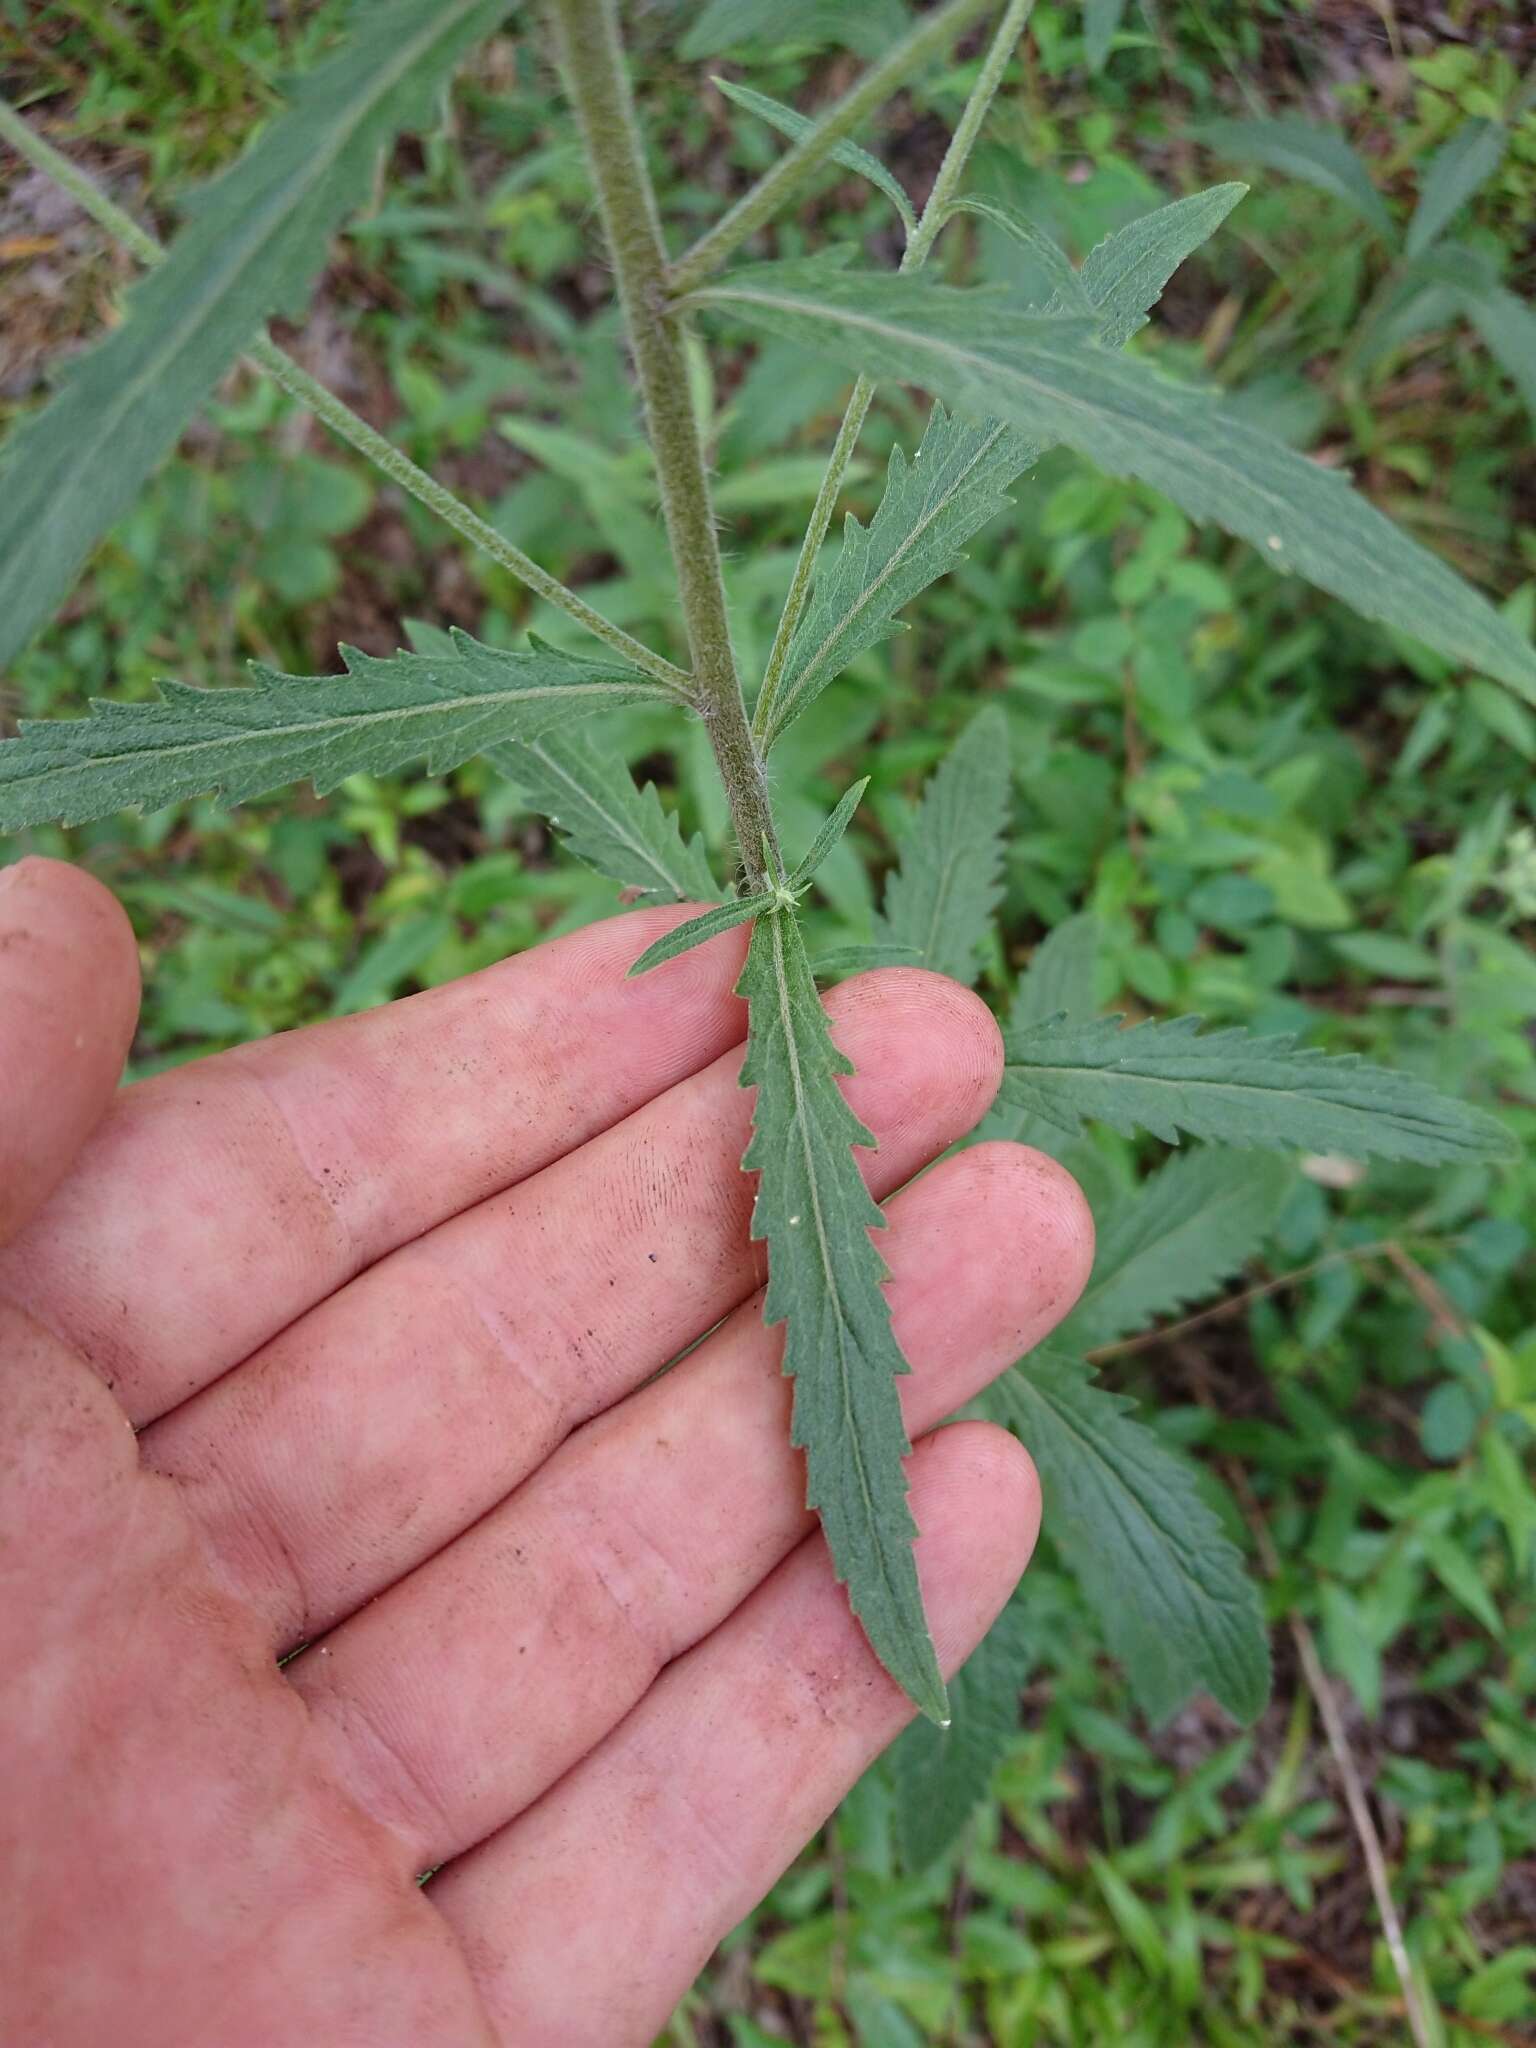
x=389, y=1419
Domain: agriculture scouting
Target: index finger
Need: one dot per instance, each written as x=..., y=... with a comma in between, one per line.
x=217, y=1203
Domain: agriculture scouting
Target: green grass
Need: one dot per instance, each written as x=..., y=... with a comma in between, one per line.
x=1279, y=816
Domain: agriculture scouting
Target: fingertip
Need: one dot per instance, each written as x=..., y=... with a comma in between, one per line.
x=976, y=1499
x=931, y=1047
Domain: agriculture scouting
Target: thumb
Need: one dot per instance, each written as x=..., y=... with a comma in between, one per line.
x=69, y=999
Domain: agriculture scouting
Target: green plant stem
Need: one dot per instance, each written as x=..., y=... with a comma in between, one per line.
x=758, y=206
x=593, y=62
x=934, y=215
x=346, y=424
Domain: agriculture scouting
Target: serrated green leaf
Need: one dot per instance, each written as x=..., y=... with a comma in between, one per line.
x=824, y=1281
x=1458, y=169
x=1044, y=374
x=607, y=820
x=829, y=835
x=256, y=237
x=1167, y=1077
x=942, y=1774
x=1171, y=1593
x=1125, y=275
x=1061, y=975
x=1172, y=1241
x=698, y=931
x=788, y=121
x=239, y=743
x=941, y=896
x=960, y=476
x=1317, y=156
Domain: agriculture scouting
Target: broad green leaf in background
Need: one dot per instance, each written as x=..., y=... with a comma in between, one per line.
x=866, y=26
x=1174, y=1239
x=941, y=896
x=1044, y=374
x=242, y=742
x=942, y=1774
x=255, y=239
x=1170, y=1591
x=606, y=819
x=824, y=1280
x=788, y=121
x=1317, y=156
x=1459, y=168
x=1245, y=1090
x=1473, y=289
x=959, y=478
x=1101, y=24
x=1061, y=974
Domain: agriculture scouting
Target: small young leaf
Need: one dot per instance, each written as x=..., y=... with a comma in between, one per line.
x=824, y=1279
x=239, y=743
x=699, y=930
x=956, y=482
x=256, y=237
x=1041, y=372
x=1317, y=156
x=1061, y=975
x=1125, y=275
x=829, y=835
x=1458, y=169
x=941, y=897
x=943, y=1773
x=1241, y=1089
x=1175, y=1239
x=1170, y=1591
x=606, y=820
x=793, y=124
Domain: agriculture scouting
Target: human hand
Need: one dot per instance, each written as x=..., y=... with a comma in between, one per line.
x=384, y=1300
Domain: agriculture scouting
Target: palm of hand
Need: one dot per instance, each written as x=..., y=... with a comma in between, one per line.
x=385, y=1300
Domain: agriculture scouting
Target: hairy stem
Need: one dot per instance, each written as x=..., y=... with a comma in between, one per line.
x=934, y=214
x=767, y=196
x=346, y=424
x=593, y=62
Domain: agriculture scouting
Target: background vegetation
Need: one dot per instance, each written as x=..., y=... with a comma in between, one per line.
x=1279, y=815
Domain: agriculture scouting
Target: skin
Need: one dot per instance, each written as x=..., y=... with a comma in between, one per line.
x=344, y=1344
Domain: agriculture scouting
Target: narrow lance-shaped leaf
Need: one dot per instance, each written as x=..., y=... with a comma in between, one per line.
x=1172, y=1241
x=606, y=819
x=824, y=1281
x=1244, y=1090
x=794, y=124
x=1458, y=169
x=239, y=743
x=941, y=896
x=1298, y=149
x=698, y=931
x=256, y=238
x=961, y=474
x=830, y=834
x=942, y=1774
x=1045, y=375
x=1170, y=1591
x=857, y=958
